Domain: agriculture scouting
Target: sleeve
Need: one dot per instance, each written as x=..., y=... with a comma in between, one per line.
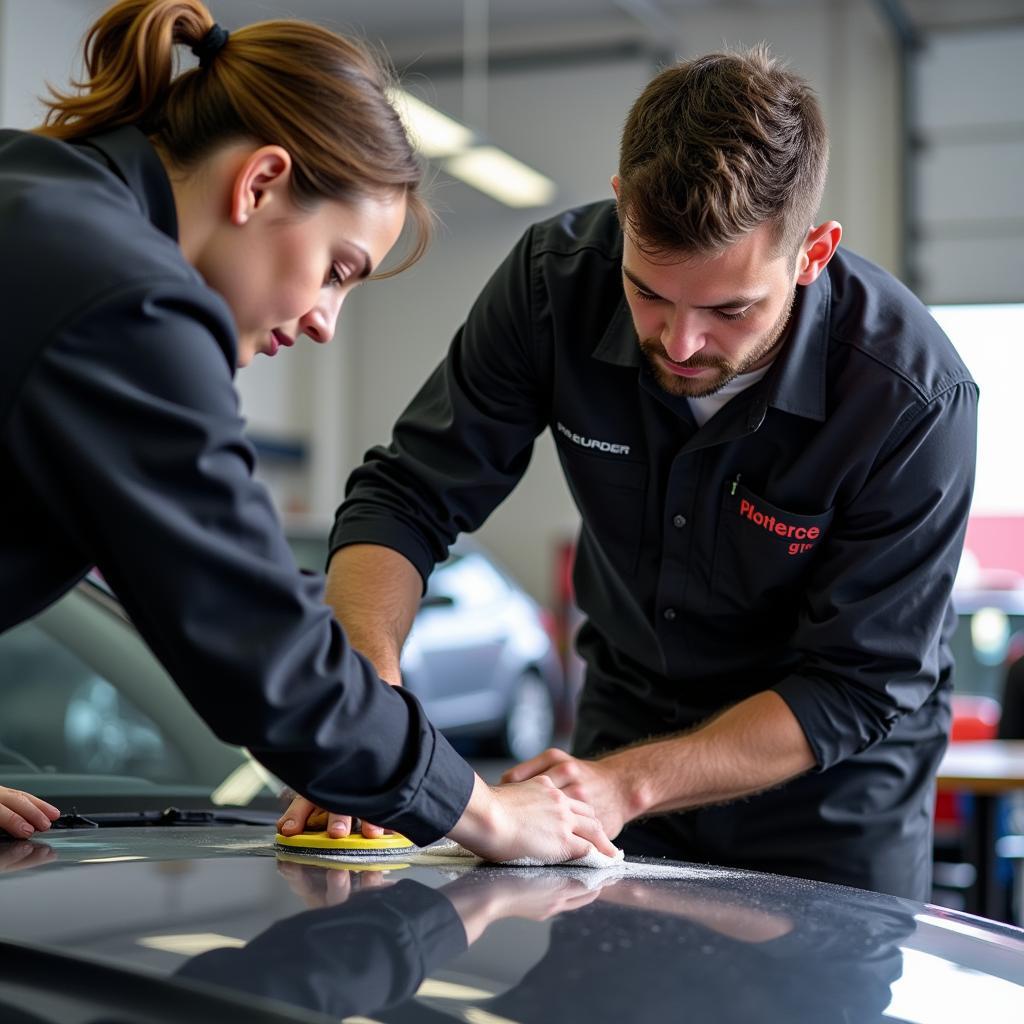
x=466, y=438
x=876, y=610
x=127, y=427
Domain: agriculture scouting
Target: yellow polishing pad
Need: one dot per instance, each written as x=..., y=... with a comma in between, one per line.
x=352, y=844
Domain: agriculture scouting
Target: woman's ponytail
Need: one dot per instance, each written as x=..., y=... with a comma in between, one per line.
x=130, y=62
x=324, y=98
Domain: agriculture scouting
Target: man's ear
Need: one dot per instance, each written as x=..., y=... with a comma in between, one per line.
x=818, y=248
x=615, y=185
x=262, y=178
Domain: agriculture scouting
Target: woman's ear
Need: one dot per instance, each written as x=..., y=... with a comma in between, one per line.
x=261, y=181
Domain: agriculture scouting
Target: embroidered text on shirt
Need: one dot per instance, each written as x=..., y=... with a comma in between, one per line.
x=589, y=442
x=804, y=535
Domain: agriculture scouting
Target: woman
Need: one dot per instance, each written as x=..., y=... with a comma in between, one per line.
x=158, y=231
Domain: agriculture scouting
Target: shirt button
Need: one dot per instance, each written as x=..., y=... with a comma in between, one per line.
x=669, y=614
x=679, y=521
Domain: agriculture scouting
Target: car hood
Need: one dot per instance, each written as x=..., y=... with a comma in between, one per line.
x=211, y=911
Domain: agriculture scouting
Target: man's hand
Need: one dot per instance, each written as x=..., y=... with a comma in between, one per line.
x=302, y=814
x=22, y=815
x=532, y=819
x=597, y=783
x=752, y=746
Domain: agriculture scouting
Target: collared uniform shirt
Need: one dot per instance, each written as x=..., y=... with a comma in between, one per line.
x=804, y=539
x=121, y=445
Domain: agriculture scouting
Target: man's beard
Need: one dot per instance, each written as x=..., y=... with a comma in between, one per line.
x=708, y=384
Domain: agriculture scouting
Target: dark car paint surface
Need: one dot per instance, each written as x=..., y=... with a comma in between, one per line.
x=193, y=913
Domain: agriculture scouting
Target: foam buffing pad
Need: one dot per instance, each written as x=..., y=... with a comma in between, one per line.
x=320, y=844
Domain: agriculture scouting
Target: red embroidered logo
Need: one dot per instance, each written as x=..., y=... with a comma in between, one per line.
x=801, y=537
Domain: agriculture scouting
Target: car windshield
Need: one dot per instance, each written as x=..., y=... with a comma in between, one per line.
x=90, y=720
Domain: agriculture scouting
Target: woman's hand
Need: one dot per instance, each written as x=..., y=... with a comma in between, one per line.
x=303, y=815
x=531, y=820
x=23, y=815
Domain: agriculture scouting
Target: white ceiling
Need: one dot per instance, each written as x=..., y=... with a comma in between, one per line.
x=404, y=19
x=401, y=25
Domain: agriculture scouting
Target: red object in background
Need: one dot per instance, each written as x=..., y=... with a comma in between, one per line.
x=563, y=598
x=567, y=620
x=974, y=718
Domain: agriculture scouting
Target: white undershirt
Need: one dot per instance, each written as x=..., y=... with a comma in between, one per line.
x=704, y=408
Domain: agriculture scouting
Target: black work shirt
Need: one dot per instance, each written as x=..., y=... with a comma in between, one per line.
x=805, y=539
x=121, y=445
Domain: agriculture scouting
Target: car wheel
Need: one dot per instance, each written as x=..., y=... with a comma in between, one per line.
x=530, y=719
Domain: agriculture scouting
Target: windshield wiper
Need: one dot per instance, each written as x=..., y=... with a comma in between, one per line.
x=168, y=816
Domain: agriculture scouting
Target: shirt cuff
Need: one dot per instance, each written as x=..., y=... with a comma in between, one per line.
x=812, y=715
x=387, y=533
x=441, y=798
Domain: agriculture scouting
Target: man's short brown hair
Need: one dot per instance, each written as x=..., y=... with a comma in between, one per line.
x=715, y=147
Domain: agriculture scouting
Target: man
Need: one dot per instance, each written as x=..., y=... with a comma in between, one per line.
x=771, y=445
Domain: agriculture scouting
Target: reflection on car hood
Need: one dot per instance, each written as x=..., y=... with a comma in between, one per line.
x=216, y=907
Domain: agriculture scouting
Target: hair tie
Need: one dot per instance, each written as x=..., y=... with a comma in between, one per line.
x=210, y=45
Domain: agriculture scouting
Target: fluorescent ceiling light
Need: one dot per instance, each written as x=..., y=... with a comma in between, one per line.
x=501, y=176
x=435, y=134
x=487, y=168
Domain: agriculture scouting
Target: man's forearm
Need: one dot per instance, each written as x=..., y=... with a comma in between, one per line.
x=375, y=593
x=753, y=746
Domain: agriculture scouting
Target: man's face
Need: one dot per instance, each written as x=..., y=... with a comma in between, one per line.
x=701, y=322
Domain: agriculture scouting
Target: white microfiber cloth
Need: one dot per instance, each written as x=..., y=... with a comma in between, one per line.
x=593, y=871
x=594, y=859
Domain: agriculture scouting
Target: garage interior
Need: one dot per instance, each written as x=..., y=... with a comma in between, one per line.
x=923, y=103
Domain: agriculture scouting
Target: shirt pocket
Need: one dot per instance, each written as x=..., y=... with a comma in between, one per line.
x=610, y=495
x=763, y=552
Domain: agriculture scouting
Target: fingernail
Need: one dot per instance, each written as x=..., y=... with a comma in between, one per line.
x=27, y=830
x=289, y=823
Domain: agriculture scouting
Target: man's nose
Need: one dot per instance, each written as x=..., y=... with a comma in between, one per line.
x=682, y=337
x=320, y=323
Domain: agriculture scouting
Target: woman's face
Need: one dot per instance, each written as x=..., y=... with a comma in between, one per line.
x=286, y=271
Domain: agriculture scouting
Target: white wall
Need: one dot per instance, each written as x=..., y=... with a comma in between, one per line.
x=970, y=212
x=40, y=42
